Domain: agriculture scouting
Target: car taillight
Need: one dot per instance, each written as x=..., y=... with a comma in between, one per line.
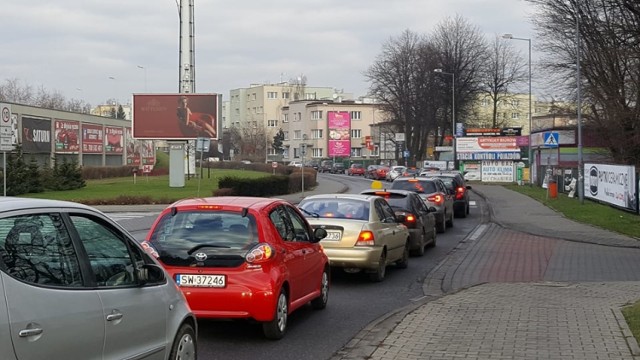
x=261, y=253
x=410, y=221
x=149, y=249
x=459, y=192
x=438, y=199
x=365, y=238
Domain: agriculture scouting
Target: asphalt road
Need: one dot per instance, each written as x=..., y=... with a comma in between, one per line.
x=354, y=301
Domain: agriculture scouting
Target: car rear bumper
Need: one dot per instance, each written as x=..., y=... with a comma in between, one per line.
x=365, y=257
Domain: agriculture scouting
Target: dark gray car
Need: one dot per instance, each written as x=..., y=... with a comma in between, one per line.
x=74, y=284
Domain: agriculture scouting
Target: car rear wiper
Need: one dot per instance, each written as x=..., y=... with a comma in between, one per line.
x=200, y=246
x=312, y=214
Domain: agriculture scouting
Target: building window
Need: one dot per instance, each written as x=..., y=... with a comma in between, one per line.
x=316, y=134
x=297, y=134
x=255, y=124
x=356, y=152
x=317, y=152
x=272, y=95
x=299, y=116
x=285, y=118
x=310, y=96
x=515, y=115
x=515, y=102
x=272, y=123
x=355, y=115
x=273, y=151
x=316, y=115
x=296, y=152
x=485, y=102
x=356, y=133
x=254, y=96
x=285, y=95
x=286, y=135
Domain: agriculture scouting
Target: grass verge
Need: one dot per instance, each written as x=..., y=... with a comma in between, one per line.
x=600, y=215
x=154, y=188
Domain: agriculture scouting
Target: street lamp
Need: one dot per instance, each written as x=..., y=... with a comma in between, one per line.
x=579, y=111
x=511, y=37
x=145, y=76
x=453, y=114
x=303, y=150
x=116, y=95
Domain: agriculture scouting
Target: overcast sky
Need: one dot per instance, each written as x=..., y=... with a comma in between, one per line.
x=96, y=49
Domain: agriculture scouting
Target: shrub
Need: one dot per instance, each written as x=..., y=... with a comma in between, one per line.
x=105, y=172
x=224, y=192
x=295, y=181
x=265, y=186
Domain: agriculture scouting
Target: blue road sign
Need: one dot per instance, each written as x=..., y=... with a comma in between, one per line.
x=551, y=139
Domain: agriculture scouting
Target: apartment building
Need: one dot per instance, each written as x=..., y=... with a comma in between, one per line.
x=307, y=122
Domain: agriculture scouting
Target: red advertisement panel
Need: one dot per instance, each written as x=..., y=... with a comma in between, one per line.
x=92, y=139
x=133, y=151
x=113, y=140
x=66, y=135
x=175, y=116
x=339, y=123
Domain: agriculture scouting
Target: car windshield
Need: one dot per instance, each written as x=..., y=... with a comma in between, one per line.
x=415, y=185
x=336, y=208
x=223, y=231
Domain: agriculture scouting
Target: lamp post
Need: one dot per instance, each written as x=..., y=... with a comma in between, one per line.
x=116, y=95
x=453, y=114
x=303, y=150
x=531, y=163
x=579, y=111
x=145, y=76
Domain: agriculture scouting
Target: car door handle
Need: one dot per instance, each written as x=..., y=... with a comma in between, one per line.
x=30, y=332
x=114, y=316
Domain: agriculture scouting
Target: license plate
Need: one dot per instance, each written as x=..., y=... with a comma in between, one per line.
x=333, y=235
x=201, y=280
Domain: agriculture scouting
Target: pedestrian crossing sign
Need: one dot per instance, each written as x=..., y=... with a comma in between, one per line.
x=551, y=139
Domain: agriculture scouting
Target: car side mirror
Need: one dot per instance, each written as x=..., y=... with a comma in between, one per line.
x=432, y=209
x=401, y=218
x=468, y=187
x=319, y=234
x=150, y=273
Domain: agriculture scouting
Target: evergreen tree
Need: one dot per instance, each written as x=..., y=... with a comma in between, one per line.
x=121, y=114
x=17, y=172
x=277, y=142
x=34, y=178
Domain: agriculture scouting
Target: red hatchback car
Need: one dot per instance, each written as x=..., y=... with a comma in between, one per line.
x=242, y=258
x=355, y=169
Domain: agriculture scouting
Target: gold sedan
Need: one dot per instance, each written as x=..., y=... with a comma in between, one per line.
x=363, y=232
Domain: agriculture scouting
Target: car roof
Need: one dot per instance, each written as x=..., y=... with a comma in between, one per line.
x=341, y=196
x=18, y=203
x=390, y=191
x=250, y=202
x=406, y=178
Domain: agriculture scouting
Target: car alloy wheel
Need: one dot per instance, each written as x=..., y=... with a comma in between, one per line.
x=421, y=244
x=403, y=263
x=276, y=328
x=433, y=240
x=321, y=301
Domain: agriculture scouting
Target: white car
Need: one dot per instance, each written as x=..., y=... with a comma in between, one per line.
x=394, y=172
x=295, y=163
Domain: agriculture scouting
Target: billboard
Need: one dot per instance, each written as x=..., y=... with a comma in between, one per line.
x=66, y=135
x=133, y=151
x=113, y=140
x=339, y=123
x=613, y=184
x=175, y=116
x=498, y=171
x=92, y=139
x=36, y=135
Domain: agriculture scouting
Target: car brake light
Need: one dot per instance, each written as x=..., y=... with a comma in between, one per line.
x=365, y=238
x=459, y=192
x=259, y=254
x=149, y=249
x=209, y=207
x=411, y=218
x=438, y=199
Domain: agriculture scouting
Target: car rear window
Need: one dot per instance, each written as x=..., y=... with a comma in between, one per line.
x=396, y=201
x=225, y=230
x=336, y=208
x=415, y=185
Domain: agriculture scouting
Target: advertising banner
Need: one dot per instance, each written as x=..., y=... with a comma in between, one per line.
x=339, y=123
x=498, y=171
x=613, y=184
x=92, y=139
x=67, y=134
x=488, y=156
x=36, y=135
x=133, y=149
x=175, y=116
x=498, y=143
x=113, y=140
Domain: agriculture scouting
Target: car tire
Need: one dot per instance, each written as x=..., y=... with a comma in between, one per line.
x=450, y=221
x=381, y=270
x=420, y=250
x=276, y=328
x=467, y=209
x=441, y=226
x=320, y=302
x=184, y=345
x=433, y=242
x=403, y=263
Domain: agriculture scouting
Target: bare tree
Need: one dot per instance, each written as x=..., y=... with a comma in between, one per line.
x=463, y=52
x=13, y=91
x=504, y=68
x=249, y=140
x=610, y=65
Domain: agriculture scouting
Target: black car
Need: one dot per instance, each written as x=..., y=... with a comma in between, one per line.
x=337, y=168
x=455, y=183
x=325, y=166
x=419, y=219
